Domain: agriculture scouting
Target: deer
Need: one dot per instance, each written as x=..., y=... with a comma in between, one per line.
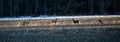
x=75, y=21
x=54, y=21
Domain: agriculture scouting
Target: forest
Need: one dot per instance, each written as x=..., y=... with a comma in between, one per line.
x=58, y=7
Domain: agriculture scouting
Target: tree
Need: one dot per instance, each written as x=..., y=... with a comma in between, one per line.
x=1, y=11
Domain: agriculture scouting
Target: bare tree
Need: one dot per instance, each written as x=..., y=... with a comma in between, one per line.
x=91, y=3
x=28, y=9
x=102, y=6
x=1, y=2
x=36, y=6
x=11, y=8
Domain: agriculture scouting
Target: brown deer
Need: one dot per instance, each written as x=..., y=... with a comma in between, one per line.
x=54, y=22
x=75, y=21
x=100, y=21
x=25, y=23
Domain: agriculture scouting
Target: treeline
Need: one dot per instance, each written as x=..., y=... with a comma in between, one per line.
x=58, y=7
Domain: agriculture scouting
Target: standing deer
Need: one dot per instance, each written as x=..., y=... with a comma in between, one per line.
x=75, y=21
x=54, y=22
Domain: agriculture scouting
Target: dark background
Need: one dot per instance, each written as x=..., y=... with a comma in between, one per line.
x=16, y=8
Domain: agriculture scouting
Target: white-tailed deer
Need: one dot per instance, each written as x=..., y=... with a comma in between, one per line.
x=75, y=21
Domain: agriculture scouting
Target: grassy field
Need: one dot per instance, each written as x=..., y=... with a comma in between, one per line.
x=60, y=34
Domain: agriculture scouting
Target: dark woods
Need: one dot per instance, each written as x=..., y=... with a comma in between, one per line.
x=16, y=8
